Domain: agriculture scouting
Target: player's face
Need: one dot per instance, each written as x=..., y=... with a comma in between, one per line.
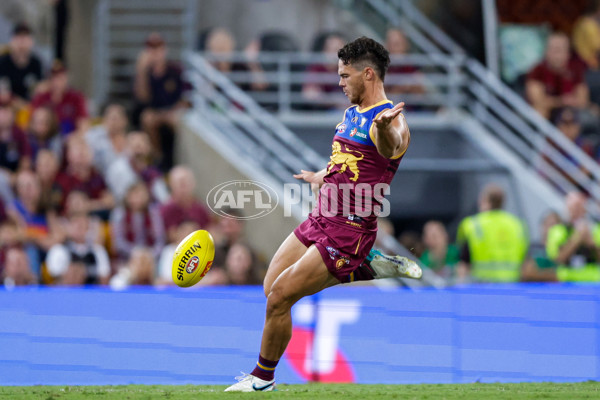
x=351, y=82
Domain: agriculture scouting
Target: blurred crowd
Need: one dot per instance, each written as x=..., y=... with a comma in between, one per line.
x=100, y=200
x=495, y=246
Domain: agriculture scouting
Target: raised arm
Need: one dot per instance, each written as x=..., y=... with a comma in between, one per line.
x=391, y=132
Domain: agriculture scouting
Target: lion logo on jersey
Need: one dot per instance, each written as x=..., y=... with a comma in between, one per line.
x=347, y=160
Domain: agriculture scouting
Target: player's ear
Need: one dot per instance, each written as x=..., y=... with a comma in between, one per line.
x=368, y=73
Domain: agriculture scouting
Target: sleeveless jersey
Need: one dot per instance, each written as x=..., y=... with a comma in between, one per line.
x=357, y=175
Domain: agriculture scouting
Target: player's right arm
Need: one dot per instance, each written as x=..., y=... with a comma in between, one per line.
x=314, y=178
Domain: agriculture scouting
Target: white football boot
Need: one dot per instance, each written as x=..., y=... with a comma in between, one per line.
x=393, y=266
x=250, y=383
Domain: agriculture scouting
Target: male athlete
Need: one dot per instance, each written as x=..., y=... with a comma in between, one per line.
x=333, y=245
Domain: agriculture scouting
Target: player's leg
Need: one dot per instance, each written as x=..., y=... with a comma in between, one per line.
x=290, y=251
x=307, y=276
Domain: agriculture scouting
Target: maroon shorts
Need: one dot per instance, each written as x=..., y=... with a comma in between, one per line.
x=342, y=248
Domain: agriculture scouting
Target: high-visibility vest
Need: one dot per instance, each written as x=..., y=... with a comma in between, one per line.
x=587, y=270
x=497, y=243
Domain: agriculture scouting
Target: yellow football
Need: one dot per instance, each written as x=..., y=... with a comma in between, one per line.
x=193, y=258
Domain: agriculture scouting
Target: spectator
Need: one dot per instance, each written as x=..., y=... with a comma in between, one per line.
x=16, y=270
x=574, y=245
x=68, y=104
x=15, y=151
x=138, y=271
x=10, y=237
x=108, y=140
x=46, y=169
x=319, y=85
x=398, y=45
x=411, y=240
x=183, y=204
x=38, y=224
x=78, y=203
x=19, y=67
x=79, y=174
x=493, y=242
x=137, y=223
x=77, y=261
x=241, y=267
x=226, y=232
x=158, y=90
x=136, y=164
x=586, y=37
x=557, y=81
x=43, y=132
x=439, y=256
x=539, y=267
x=221, y=44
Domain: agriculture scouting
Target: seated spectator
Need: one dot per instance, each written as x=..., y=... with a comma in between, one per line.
x=411, y=240
x=440, y=256
x=16, y=269
x=493, y=242
x=46, y=168
x=15, y=151
x=39, y=225
x=108, y=140
x=226, y=232
x=19, y=67
x=319, y=84
x=79, y=174
x=139, y=270
x=137, y=223
x=538, y=267
x=586, y=37
x=221, y=44
x=68, y=104
x=158, y=91
x=241, y=267
x=558, y=81
x=78, y=203
x=77, y=261
x=183, y=204
x=398, y=45
x=43, y=132
x=575, y=246
x=10, y=237
x=136, y=164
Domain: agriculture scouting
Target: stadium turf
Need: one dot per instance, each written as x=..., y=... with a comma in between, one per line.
x=582, y=390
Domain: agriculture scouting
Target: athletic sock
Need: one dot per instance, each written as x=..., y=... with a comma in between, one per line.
x=265, y=369
x=363, y=273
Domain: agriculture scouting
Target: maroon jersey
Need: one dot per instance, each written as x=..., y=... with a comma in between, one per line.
x=357, y=175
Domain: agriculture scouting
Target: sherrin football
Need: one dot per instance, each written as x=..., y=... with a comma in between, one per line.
x=193, y=258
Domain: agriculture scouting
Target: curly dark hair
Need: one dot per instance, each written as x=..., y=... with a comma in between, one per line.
x=364, y=52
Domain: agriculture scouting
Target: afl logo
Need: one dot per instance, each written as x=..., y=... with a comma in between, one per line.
x=341, y=128
x=192, y=265
x=353, y=132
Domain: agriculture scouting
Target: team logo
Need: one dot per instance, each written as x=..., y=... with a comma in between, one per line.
x=346, y=161
x=192, y=264
x=354, y=120
x=353, y=132
x=332, y=252
x=341, y=262
x=341, y=128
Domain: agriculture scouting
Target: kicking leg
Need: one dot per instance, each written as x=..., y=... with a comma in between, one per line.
x=306, y=277
x=379, y=266
x=290, y=251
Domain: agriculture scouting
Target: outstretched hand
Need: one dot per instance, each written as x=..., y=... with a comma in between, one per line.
x=306, y=176
x=386, y=117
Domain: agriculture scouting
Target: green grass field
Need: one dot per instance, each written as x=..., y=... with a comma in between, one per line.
x=583, y=390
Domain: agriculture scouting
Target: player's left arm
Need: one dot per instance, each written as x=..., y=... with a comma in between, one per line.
x=391, y=132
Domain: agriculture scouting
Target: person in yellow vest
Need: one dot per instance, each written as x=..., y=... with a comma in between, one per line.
x=493, y=242
x=575, y=245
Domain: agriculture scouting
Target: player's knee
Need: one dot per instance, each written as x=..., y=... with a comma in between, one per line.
x=278, y=301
